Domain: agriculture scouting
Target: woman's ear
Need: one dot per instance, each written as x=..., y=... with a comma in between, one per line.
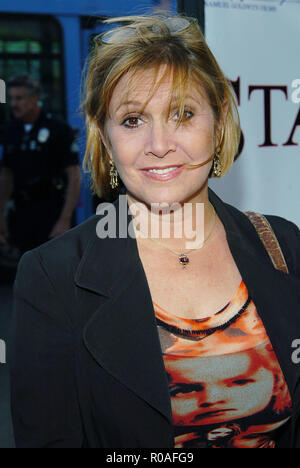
x=104, y=137
x=220, y=126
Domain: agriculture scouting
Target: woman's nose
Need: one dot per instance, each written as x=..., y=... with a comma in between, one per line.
x=160, y=140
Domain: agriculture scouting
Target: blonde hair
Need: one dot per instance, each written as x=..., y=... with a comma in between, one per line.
x=185, y=53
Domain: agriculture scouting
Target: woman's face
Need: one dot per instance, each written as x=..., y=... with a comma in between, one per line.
x=145, y=140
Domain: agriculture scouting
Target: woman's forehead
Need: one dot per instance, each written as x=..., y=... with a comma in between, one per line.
x=136, y=87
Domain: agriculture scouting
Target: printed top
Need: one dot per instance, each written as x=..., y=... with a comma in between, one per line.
x=226, y=386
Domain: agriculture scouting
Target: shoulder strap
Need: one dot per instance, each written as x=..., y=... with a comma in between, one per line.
x=268, y=239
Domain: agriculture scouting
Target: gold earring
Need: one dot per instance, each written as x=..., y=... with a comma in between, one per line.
x=217, y=164
x=113, y=175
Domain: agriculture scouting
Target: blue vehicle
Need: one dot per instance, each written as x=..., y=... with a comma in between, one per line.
x=51, y=40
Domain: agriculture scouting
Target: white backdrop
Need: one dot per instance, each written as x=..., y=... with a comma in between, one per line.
x=258, y=43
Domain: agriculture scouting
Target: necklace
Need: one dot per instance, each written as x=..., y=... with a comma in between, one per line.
x=198, y=335
x=183, y=257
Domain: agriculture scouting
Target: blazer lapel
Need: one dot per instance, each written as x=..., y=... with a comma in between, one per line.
x=122, y=333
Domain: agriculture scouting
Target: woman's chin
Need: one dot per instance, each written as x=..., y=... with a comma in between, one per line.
x=161, y=195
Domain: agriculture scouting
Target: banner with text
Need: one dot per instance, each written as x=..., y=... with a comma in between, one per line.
x=256, y=43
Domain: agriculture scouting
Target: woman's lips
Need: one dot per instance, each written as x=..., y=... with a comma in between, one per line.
x=168, y=176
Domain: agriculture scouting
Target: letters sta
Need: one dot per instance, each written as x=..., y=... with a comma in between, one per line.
x=267, y=93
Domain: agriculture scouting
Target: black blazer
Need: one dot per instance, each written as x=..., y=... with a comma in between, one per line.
x=86, y=363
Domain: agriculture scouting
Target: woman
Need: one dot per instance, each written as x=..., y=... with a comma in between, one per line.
x=126, y=337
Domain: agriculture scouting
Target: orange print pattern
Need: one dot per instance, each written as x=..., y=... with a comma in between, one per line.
x=226, y=386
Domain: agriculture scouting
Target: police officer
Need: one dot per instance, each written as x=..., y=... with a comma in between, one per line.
x=40, y=167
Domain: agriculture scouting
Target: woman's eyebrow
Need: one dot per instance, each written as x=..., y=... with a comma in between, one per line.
x=137, y=103
x=127, y=103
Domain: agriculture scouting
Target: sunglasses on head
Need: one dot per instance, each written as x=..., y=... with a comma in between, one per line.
x=125, y=33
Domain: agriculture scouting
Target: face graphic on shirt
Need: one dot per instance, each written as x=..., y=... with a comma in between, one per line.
x=226, y=388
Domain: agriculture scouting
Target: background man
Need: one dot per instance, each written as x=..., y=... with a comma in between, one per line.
x=39, y=167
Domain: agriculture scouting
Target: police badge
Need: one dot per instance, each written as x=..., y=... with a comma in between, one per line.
x=43, y=135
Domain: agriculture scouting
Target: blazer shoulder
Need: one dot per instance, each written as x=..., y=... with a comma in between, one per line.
x=45, y=275
x=286, y=231
x=288, y=235
x=76, y=238
x=60, y=256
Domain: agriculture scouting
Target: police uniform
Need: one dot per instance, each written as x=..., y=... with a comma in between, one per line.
x=38, y=157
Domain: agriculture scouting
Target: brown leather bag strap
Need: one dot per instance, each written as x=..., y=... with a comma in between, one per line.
x=268, y=239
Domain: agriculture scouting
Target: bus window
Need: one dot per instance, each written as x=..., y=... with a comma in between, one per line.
x=33, y=44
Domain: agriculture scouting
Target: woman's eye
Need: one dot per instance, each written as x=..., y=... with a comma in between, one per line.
x=132, y=120
x=185, y=116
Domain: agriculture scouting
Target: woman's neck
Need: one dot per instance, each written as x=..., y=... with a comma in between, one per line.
x=179, y=226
